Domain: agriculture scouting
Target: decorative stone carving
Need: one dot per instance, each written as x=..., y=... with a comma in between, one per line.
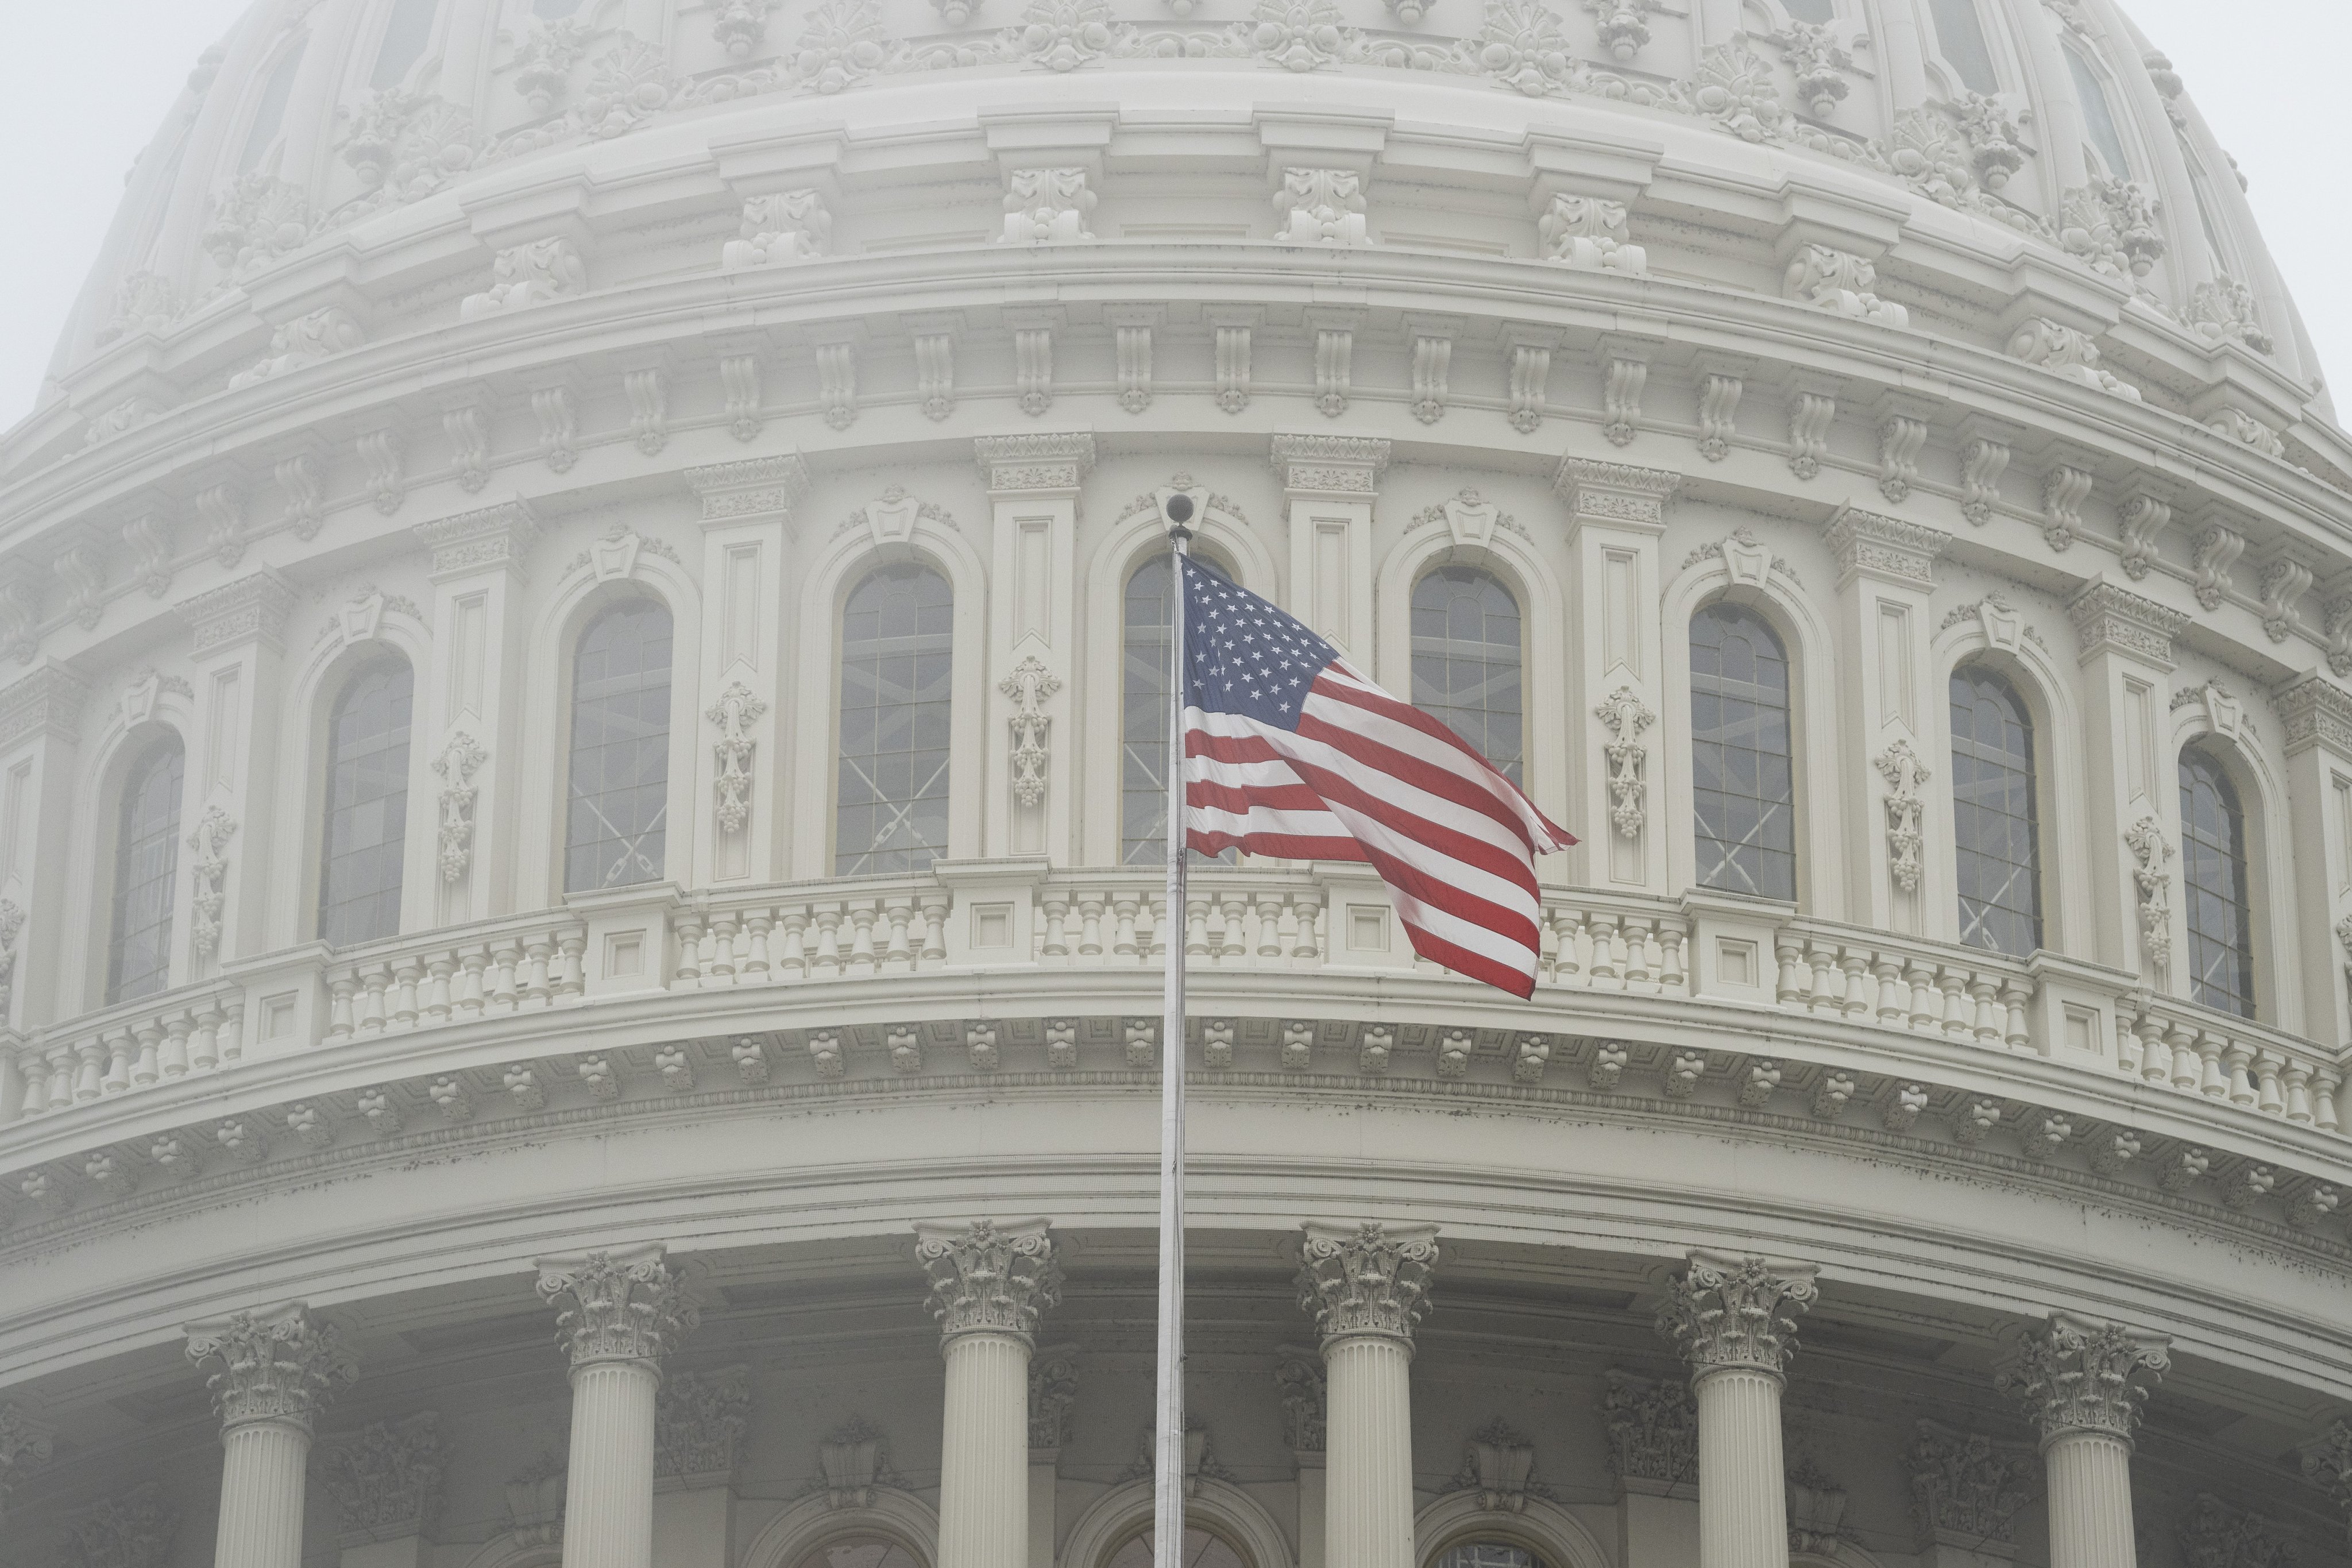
x=1816, y=1509
x=403, y=146
x=2110, y=226
x=1718, y=413
x=1967, y=1489
x=2284, y=582
x=1818, y=61
x=2237, y=425
x=789, y=225
x=1432, y=359
x=627, y=1305
x=1626, y=717
x=383, y=454
x=2144, y=518
x=1053, y=1395
x=1623, y=25
x=2215, y=1535
x=1868, y=544
x=856, y=1459
x=143, y=302
x=1900, y=438
x=2067, y=352
x=1733, y=87
x=2223, y=310
x=2106, y=617
x=2150, y=855
x=1983, y=462
x=210, y=841
x=306, y=340
x=740, y=26
x=1029, y=686
x=1335, y=352
x=136, y=1529
x=220, y=507
x=81, y=570
x=256, y=219
x=1811, y=414
x=282, y=1365
x=1653, y=1431
x=1301, y=35
x=1305, y=1400
x=2075, y=1375
x=1499, y=1464
x=2327, y=1463
x=739, y=708
x=544, y=61
x=987, y=1277
x=386, y=1479
x=1046, y=205
x=1726, y=1311
x=1320, y=206
x=1590, y=234
x=1621, y=398
x=698, y=1422
x=1843, y=284
x=461, y=756
x=2216, y=550
x=24, y=1446
x=529, y=274
x=1900, y=766
x=1370, y=1278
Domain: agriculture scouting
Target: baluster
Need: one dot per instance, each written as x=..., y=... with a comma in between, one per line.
x=2327, y=1081
x=1286, y=928
x=828, y=940
x=1673, y=940
x=1306, y=940
x=64, y=1074
x=499, y=978
x=375, y=986
x=897, y=958
x=89, y=1081
x=1893, y=990
x=2298, y=1092
x=792, y=964
x=536, y=989
x=723, y=927
x=2187, y=1067
x=1927, y=1002
x=204, y=1045
x=1090, y=914
x=1861, y=989
x=121, y=1045
x=231, y=1014
x=1150, y=928
x=1123, y=905
x=759, y=968
x=1235, y=939
x=2236, y=1057
x=1196, y=926
x=146, y=1063
x=2212, y=1078
x=2155, y=1053
x=935, y=926
x=1958, y=1024
x=35, y=1066
x=172, y=1057
x=1548, y=944
x=1607, y=968
x=2268, y=1097
x=473, y=992
x=1828, y=980
x=573, y=947
x=1588, y=943
x=406, y=973
x=2017, y=1027
x=1057, y=932
x=1269, y=927
x=1641, y=974
x=437, y=969
x=1796, y=980
x=689, y=973
x=861, y=946
x=340, y=986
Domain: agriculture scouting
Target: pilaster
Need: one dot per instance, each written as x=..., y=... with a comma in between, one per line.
x=2125, y=652
x=230, y=820
x=1886, y=573
x=2316, y=714
x=1617, y=519
x=748, y=557
x=40, y=737
x=1328, y=483
x=468, y=706
x=1032, y=655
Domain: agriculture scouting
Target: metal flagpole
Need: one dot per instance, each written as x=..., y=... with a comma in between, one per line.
x=1168, y=1475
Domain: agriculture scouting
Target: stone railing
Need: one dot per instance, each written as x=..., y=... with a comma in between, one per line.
x=633, y=944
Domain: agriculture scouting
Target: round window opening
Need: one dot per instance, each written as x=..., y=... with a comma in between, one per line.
x=1487, y=1554
x=861, y=1552
x=1202, y=1550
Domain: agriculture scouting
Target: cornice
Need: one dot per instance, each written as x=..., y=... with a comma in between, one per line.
x=493, y=538
x=1331, y=467
x=2108, y=619
x=1048, y=463
x=252, y=608
x=48, y=702
x=2316, y=712
x=752, y=487
x=1869, y=545
x=1616, y=493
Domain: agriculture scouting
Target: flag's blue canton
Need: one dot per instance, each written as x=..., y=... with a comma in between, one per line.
x=1243, y=656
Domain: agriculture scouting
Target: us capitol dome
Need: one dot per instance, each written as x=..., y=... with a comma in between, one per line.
x=584, y=620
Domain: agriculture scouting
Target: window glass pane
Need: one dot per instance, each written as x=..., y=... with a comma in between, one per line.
x=553, y=9
x=1143, y=746
x=1811, y=10
x=1466, y=662
x=1994, y=831
x=860, y=1551
x=367, y=807
x=1960, y=35
x=2097, y=118
x=1491, y=1554
x=270, y=113
x=891, y=795
x=146, y=866
x=1742, y=781
x=2213, y=879
x=405, y=35
x=620, y=750
x=1202, y=1550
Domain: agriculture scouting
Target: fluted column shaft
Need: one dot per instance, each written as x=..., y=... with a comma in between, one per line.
x=984, y=1453
x=625, y=1310
x=2089, y=1501
x=1743, y=1503
x=2076, y=1377
x=261, y=1496
x=1368, y=1454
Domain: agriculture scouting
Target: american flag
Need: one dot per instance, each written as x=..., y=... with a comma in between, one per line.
x=1288, y=752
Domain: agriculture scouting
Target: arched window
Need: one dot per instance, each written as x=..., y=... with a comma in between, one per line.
x=367, y=806
x=1488, y=1554
x=860, y=1551
x=1203, y=1549
x=1143, y=718
x=1960, y=37
x=406, y=33
x=1814, y=11
x=269, y=113
x=891, y=797
x=1740, y=771
x=620, y=749
x=1995, y=835
x=1466, y=661
x=2099, y=118
x=2213, y=872
x=146, y=866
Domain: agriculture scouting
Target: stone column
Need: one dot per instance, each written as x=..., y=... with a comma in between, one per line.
x=627, y=1310
x=1731, y=1318
x=2075, y=1378
x=277, y=1368
x=989, y=1284
x=1365, y=1285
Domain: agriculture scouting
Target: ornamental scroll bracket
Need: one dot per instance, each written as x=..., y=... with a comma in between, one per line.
x=1029, y=686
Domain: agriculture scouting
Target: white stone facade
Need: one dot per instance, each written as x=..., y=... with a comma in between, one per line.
x=1906, y=1216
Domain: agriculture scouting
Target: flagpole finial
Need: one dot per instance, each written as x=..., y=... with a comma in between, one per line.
x=1176, y=511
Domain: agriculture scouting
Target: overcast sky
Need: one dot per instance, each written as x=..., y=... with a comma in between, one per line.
x=91, y=81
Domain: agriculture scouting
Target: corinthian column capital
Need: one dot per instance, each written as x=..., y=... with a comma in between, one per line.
x=2075, y=1375
x=280, y=1365
x=1367, y=1279
x=625, y=1306
x=1726, y=1312
x=989, y=1279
